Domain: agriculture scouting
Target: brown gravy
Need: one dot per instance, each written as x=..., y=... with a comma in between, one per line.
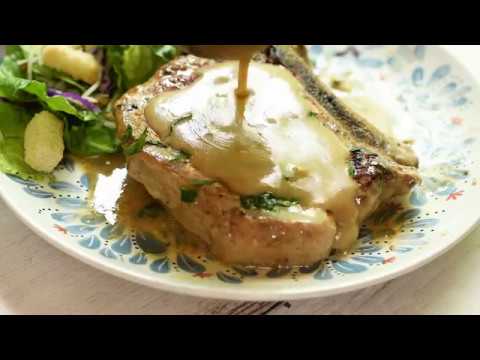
x=126, y=203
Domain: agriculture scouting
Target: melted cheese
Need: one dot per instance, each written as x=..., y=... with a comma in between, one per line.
x=270, y=141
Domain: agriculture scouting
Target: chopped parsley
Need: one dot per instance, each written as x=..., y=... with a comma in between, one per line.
x=313, y=114
x=181, y=156
x=266, y=201
x=130, y=145
x=351, y=169
x=136, y=146
x=357, y=149
x=179, y=121
x=188, y=195
x=365, y=167
x=151, y=210
x=128, y=135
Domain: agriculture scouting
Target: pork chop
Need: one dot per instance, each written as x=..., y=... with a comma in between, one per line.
x=287, y=233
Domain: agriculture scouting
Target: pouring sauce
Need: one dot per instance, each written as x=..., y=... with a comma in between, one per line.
x=278, y=146
x=241, y=53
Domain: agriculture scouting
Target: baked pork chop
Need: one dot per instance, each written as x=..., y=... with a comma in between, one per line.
x=358, y=170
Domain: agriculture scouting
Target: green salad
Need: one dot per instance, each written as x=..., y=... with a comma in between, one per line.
x=58, y=98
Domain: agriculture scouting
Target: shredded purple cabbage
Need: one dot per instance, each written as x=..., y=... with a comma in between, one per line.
x=76, y=98
x=105, y=87
x=106, y=83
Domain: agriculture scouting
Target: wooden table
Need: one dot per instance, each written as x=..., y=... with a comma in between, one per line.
x=36, y=278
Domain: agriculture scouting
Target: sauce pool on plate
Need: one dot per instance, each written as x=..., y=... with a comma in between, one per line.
x=126, y=203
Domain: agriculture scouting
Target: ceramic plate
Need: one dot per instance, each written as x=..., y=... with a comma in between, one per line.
x=431, y=99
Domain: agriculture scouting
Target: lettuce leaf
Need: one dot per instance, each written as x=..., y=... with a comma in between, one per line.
x=114, y=56
x=80, y=139
x=85, y=131
x=14, y=87
x=56, y=79
x=15, y=52
x=135, y=64
x=138, y=64
x=17, y=89
x=11, y=82
x=88, y=139
x=13, y=120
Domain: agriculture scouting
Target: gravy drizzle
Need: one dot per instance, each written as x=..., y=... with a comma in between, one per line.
x=241, y=53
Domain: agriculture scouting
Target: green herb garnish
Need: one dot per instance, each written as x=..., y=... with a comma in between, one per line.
x=188, y=195
x=181, y=156
x=127, y=136
x=130, y=145
x=151, y=210
x=179, y=121
x=266, y=201
x=136, y=146
x=351, y=169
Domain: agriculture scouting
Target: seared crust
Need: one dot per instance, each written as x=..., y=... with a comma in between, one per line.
x=129, y=109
